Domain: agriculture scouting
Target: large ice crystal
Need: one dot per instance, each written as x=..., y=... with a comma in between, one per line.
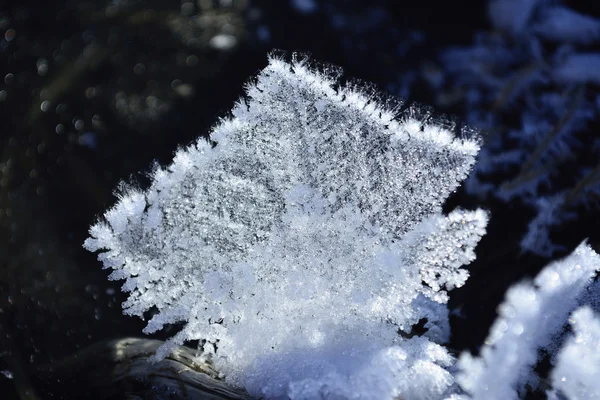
x=303, y=242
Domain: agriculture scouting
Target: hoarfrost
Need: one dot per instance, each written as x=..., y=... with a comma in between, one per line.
x=531, y=317
x=303, y=241
x=578, y=368
x=530, y=84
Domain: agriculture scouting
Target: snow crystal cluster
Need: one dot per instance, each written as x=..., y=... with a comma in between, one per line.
x=304, y=242
x=531, y=84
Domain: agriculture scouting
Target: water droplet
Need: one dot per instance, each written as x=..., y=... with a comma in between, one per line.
x=192, y=60
x=42, y=66
x=223, y=41
x=10, y=34
x=139, y=69
x=187, y=8
x=518, y=329
x=79, y=125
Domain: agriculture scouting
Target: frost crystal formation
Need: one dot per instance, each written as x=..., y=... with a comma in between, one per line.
x=302, y=242
x=576, y=374
x=531, y=319
x=531, y=83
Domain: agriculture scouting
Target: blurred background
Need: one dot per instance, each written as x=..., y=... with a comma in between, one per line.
x=93, y=93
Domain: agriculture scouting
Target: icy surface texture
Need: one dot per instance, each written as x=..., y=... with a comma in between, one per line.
x=576, y=374
x=531, y=84
x=531, y=318
x=303, y=241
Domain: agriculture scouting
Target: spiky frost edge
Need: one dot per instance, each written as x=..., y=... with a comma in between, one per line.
x=401, y=127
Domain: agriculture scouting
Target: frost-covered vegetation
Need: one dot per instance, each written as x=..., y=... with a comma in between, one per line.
x=305, y=243
x=531, y=83
x=529, y=327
